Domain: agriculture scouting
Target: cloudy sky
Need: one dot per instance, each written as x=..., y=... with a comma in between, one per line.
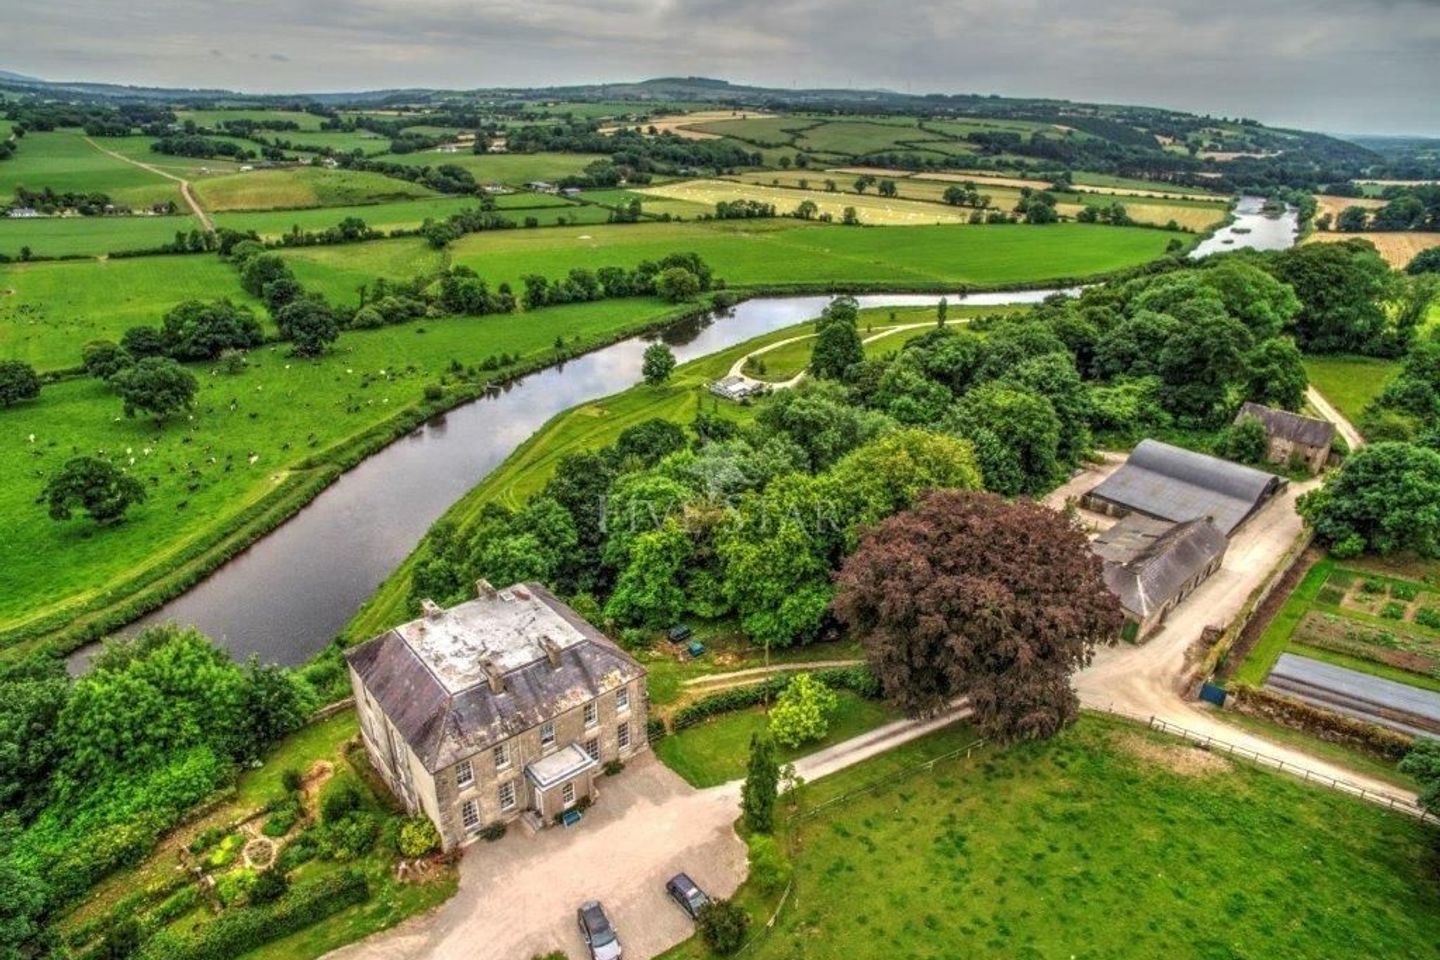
x=1362, y=66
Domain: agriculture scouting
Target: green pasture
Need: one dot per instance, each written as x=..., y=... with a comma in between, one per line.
x=1106, y=841
x=1350, y=383
x=515, y=169
x=91, y=236
x=398, y=215
x=200, y=473
x=297, y=187
x=341, y=141
x=65, y=162
x=212, y=118
x=48, y=311
x=187, y=168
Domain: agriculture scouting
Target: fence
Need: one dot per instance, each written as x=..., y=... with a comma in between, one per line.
x=1207, y=742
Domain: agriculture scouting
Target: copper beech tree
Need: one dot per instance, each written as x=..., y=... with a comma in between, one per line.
x=969, y=595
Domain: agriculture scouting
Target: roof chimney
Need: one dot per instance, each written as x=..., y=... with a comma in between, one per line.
x=484, y=589
x=552, y=652
x=431, y=609
x=493, y=675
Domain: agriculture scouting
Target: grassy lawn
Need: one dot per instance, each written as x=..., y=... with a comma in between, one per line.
x=1278, y=631
x=49, y=310
x=727, y=649
x=402, y=214
x=1107, y=841
x=63, y=161
x=1350, y=383
x=515, y=169
x=249, y=432
x=213, y=118
x=715, y=751
x=91, y=236
x=295, y=187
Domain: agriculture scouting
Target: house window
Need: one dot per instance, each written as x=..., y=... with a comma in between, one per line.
x=592, y=747
x=470, y=816
x=622, y=735
x=464, y=774
x=547, y=733
x=507, y=795
x=592, y=714
x=567, y=794
x=622, y=699
x=502, y=756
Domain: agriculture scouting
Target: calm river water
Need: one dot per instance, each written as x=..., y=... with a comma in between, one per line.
x=287, y=596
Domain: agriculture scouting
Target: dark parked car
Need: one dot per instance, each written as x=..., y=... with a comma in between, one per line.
x=684, y=891
x=599, y=935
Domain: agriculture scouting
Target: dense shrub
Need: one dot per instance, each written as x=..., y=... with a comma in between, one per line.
x=769, y=869
x=857, y=679
x=418, y=837
x=340, y=797
x=722, y=926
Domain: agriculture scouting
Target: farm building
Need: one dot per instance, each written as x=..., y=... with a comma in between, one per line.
x=1171, y=483
x=1378, y=700
x=736, y=387
x=1293, y=437
x=500, y=708
x=1151, y=565
x=541, y=186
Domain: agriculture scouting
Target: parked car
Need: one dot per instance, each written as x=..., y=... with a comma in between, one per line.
x=687, y=893
x=596, y=930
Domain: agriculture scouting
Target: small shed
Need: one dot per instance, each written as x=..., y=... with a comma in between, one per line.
x=736, y=387
x=1292, y=438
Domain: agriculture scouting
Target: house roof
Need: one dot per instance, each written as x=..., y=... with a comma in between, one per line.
x=1290, y=426
x=433, y=676
x=1172, y=483
x=1148, y=561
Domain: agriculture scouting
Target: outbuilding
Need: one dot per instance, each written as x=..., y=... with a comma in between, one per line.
x=1152, y=565
x=1292, y=438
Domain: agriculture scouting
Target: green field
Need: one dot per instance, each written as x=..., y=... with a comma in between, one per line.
x=403, y=214
x=340, y=141
x=1107, y=841
x=1350, y=383
x=511, y=168
x=297, y=187
x=92, y=236
x=712, y=752
x=212, y=118
x=188, y=168
x=49, y=310
x=200, y=473
x=763, y=253
x=63, y=161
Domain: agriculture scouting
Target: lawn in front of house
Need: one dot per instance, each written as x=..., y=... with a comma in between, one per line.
x=716, y=750
x=1107, y=841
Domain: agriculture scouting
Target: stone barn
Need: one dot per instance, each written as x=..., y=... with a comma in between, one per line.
x=1293, y=438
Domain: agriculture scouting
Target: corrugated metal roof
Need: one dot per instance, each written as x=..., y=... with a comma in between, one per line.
x=1172, y=483
x=444, y=726
x=1290, y=426
x=1148, y=561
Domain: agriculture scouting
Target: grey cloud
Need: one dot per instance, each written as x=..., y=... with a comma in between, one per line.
x=1351, y=65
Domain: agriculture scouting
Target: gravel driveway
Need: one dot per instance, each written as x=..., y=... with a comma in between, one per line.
x=518, y=896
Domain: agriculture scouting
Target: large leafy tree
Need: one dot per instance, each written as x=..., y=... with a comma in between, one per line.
x=200, y=331
x=658, y=364
x=155, y=385
x=1275, y=374
x=892, y=472
x=98, y=487
x=1341, y=287
x=309, y=325
x=837, y=340
x=1385, y=498
x=651, y=588
x=32, y=693
x=1016, y=435
x=18, y=381
x=1255, y=298
x=820, y=419
x=802, y=711
x=968, y=595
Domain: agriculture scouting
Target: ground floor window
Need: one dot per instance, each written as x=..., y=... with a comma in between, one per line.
x=567, y=794
x=507, y=795
x=622, y=735
x=470, y=816
x=592, y=747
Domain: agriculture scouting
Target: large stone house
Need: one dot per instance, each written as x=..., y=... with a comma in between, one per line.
x=1292, y=438
x=504, y=706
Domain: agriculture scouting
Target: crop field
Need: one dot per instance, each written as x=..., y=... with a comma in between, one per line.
x=961, y=128
x=761, y=252
x=650, y=204
x=248, y=431
x=1130, y=184
x=510, y=168
x=1105, y=841
x=213, y=118
x=757, y=130
x=49, y=310
x=65, y=236
x=63, y=161
x=1398, y=247
x=871, y=208
x=295, y=187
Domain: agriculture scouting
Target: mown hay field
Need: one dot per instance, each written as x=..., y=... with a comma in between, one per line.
x=1398, y=248
x=297, y=187
x=871, y=208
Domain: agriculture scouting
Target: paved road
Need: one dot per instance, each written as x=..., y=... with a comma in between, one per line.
x=185, y=192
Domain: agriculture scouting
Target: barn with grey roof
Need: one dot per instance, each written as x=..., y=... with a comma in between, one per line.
x=498, y=708
x=1166, y=482
x=1291, y=437
x=1152, y=565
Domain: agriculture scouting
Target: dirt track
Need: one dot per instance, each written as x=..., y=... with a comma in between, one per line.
x=185, y=191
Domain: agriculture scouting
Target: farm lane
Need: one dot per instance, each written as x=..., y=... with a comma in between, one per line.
x=185, y=190
x=1330, y=412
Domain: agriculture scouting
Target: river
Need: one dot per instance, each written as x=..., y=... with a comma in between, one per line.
x=294, y=590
